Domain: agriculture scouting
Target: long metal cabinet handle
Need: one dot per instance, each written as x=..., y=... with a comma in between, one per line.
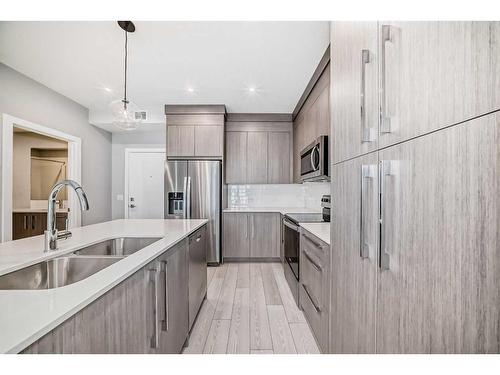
x=386, y=168
x=153, y=278
x=316, y=266
x=316, y=307
x=312, y=241
x=184, y=197
x=253, y=226
x=188, y=208
x=25, y=224
x=385, y=120
x=366, y=132
x=165, y=323
x=367, y=174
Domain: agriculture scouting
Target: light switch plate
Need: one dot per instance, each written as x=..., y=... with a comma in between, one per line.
x=119, y=197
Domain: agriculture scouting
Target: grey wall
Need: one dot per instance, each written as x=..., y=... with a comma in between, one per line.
x=25, y=98
x=121, y=141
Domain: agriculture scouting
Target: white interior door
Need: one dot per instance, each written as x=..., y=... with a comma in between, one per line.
x=144, y=197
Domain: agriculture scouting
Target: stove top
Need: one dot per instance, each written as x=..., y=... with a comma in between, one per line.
x=305, y=218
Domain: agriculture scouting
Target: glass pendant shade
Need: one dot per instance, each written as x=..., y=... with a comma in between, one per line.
x=123, y=111
x=124, y=116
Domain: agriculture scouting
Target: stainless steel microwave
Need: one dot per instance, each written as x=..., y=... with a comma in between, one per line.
x=314, y=160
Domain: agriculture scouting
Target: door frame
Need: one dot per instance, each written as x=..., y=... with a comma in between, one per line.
x=7, y=143
x=128, y=153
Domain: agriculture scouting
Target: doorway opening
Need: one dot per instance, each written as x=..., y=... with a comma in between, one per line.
x=34, y=159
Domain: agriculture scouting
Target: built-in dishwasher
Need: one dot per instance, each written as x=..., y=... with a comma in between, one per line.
x=197, y=272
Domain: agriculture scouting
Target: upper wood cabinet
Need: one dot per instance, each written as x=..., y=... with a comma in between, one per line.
x=236, y=157
x=436, y=74
x=208, y=140
x=354, y=89
x=195, y=131
x=257, y=157
x=393, y=81
x=278, y=167
x=180, y=140
x=313, y=119
x=258, y=152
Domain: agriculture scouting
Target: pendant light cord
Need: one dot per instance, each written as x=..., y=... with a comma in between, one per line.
x=125, y=86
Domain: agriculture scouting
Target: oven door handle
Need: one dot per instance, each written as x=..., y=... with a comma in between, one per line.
x=290, y=225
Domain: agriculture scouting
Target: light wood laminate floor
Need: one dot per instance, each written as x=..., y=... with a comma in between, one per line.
x=249, y=310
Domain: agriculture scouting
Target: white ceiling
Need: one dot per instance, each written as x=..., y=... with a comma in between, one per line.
x=220, y=61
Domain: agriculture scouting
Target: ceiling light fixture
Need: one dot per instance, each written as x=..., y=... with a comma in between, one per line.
x=123, y=111
x=251, y=89
x=190, y=89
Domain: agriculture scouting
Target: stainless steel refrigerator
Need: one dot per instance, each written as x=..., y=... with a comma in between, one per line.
x=193, y=190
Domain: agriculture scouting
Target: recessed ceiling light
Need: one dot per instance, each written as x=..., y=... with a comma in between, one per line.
x=107, y=89
x=190, y=89
x=251, y=89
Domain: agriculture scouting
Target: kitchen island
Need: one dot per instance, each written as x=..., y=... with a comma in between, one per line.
x=28, y=315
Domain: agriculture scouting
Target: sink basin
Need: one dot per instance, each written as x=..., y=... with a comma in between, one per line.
x=118, y=246
x=56, y=272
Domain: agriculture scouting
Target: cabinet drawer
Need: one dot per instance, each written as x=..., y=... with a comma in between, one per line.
x=318, y=320
x=314, y=246
x=313, y=277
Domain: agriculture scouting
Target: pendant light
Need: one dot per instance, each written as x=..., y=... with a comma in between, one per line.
x=124, y=110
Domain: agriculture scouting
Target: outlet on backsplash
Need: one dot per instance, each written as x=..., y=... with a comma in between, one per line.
x=282, y=195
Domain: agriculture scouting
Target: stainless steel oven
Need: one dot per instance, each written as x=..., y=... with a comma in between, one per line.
x=291, y=246
x=314, y=160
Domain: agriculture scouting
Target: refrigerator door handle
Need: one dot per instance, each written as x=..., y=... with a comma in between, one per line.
x=188, y=198
x=184, y=197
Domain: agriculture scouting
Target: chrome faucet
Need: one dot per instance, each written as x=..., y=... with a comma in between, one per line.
x=52, y=234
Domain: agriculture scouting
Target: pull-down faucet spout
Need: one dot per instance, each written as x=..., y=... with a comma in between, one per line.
x=52, y=234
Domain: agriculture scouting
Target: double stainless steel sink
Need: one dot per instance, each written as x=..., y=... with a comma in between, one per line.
x=122, y=246
x=68, y=269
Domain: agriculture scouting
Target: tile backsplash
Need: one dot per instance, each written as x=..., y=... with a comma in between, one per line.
x=282, y=195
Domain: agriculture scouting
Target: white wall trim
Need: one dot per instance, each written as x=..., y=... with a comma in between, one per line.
x=128, y=152
x=73, y=172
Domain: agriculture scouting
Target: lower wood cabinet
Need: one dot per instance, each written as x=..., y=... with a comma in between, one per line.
x=146, y=313
x=251, y=235
x=314, y=286
x=28, y=224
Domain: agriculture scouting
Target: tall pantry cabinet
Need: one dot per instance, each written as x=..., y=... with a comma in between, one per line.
x=415, y=238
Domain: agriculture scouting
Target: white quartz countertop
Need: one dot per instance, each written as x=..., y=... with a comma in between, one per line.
x=319, y=230
x=282, y=210
x=27, y=315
